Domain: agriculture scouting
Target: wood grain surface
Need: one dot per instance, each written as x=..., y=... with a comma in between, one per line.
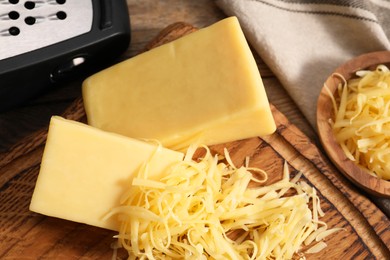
x=28, y=235
x=325, y=111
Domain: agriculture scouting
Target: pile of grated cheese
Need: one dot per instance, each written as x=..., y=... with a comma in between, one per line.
x=362, y=121
x=204, y=209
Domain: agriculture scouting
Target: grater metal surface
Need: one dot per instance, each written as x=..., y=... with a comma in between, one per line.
x=46, y=43
x=30, y=25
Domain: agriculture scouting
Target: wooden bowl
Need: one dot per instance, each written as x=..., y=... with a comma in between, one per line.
x=325, y=111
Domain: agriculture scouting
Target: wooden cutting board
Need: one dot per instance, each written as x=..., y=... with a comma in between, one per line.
x=24, y=234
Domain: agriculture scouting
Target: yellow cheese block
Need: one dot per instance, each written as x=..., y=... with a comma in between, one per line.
x=84, y=171
x=203, y=87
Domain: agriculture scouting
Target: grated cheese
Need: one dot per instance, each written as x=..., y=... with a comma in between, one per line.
x=362, y=119
x=204, y=209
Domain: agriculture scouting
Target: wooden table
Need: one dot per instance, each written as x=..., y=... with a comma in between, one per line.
x=148, y=18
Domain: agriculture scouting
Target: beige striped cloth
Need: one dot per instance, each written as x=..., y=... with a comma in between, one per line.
x=304, y=41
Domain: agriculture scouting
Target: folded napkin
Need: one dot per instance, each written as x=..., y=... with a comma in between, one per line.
x=304, y=41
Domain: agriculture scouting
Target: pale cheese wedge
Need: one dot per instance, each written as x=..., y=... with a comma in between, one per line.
x=202, y=88
x=85, y=171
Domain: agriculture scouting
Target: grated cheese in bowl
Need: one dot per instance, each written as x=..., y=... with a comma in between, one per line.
x=204, y=209
x=362, y=119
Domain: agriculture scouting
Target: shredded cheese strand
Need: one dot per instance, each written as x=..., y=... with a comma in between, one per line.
x=204, y=209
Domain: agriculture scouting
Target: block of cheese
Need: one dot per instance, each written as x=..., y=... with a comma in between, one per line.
x=84, y=171
x=204, y=87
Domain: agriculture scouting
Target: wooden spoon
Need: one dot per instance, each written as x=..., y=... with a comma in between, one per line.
x=325, y=111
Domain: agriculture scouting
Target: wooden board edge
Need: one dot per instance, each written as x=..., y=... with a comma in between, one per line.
x=76, y=112
x=316, y=157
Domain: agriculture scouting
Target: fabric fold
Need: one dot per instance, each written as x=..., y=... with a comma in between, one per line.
x=304, y=41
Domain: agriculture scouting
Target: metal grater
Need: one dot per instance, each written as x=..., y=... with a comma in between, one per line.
x=46, y=42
